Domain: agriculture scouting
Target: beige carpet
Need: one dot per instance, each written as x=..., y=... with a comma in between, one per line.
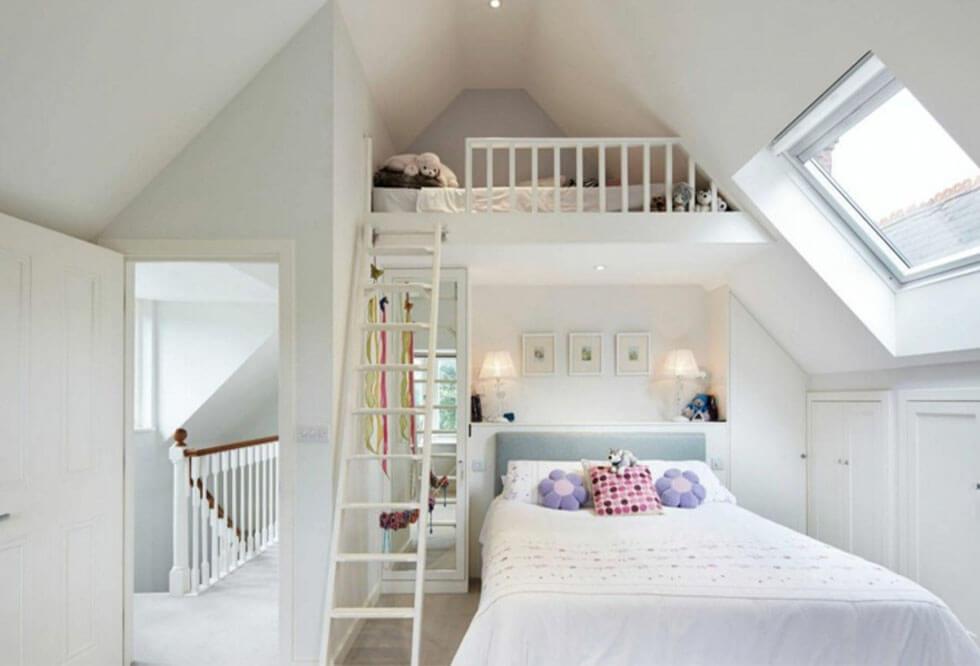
x=445, y=619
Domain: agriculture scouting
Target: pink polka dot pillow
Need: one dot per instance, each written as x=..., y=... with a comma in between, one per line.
x=629, y=493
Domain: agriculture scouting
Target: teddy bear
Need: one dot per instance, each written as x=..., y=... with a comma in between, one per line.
x=681, y=196
x=427, y=166
x=703, y=202
x=621, y=459
x=658, y=204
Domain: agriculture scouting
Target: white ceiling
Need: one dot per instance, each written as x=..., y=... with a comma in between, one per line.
x=98, y=96
x=207, y=282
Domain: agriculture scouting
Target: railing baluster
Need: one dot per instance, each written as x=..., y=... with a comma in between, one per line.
x=195, y=526
x=469, y=176
x=276, y=522
x=233, y=512
x=534, y=178
x=215, y=531
x=512, y=180
x=579, y=175
x=602, y=177
x=646, y=178
x=556, y=176
x=624, y=178
x=489, y=178
x=205, y=517
x=225, y=508
x=692, y=172
x=669, y=175
x=714, y=197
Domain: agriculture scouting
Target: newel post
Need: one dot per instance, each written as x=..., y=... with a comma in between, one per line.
x=179, y=572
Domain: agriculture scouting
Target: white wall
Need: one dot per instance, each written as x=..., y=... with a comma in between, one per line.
x=263, y=169
x=767, y=417
x=676, y=317
x=198, y=347
x=490, y=112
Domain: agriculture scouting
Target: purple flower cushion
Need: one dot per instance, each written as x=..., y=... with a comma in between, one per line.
x=563, y=491
x=680, y=489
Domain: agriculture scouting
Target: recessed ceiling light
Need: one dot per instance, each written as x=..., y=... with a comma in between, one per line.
x=495, y=4
x=600, y=267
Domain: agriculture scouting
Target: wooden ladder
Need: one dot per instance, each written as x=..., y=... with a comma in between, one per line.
x=394, y=245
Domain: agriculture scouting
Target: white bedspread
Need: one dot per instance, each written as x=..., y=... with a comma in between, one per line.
x=715, y=585
x=453, y=200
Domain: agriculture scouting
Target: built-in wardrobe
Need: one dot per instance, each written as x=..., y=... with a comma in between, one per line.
x=894, y=476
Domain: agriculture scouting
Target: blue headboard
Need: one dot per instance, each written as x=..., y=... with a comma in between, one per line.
x=593, y=446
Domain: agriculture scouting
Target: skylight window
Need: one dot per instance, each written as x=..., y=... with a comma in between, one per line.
x=891, y=171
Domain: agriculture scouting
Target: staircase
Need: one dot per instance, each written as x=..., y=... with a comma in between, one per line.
x=365, y=329
x=226, y=508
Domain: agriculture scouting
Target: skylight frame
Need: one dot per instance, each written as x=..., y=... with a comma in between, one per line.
x=859, y=92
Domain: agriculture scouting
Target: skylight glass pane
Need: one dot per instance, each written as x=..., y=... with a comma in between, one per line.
x=914, y=184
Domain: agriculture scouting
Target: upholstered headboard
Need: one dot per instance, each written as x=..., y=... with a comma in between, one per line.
x=593, y=446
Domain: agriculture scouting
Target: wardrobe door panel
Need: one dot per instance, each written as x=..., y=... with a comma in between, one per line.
x=828, y=491
x=866, y=465
x=942, y=441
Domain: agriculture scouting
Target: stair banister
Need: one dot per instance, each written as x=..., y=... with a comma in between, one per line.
x=179, y=572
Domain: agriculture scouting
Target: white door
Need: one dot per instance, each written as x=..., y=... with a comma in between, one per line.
x=942, y=447
x=61, y=445
x=828, y=493
x=850, y=482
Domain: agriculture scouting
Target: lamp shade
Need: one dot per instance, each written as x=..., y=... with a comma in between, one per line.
x=497, y=365
x=681, y=363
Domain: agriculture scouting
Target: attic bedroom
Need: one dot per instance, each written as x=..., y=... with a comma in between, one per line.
x=509, y=332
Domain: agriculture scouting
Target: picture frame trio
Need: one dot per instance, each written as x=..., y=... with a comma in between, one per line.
x=540, y=351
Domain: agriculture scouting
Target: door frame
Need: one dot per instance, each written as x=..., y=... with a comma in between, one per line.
x=282, y=252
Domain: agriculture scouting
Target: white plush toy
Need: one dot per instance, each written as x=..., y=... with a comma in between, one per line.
x=702, y=203
x=427, y=164
x=621, y=459
x=407, y=164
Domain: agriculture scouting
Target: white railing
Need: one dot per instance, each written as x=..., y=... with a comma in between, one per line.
x=225, y=509
x=645, y=156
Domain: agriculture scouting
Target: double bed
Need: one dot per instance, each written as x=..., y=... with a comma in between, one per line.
x=712, y=585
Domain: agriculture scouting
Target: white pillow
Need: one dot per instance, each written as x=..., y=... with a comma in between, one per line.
x=715, y=490
x=523, y=477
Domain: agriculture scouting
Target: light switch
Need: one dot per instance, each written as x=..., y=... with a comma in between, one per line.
x=313, y=434
x=478, y=466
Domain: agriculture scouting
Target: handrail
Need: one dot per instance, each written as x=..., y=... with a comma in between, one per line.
x=180, y=436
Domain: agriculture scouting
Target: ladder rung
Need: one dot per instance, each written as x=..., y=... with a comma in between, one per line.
x=443, y=455
x=373, y=411
x=443, y=523
x=390, y=456
x=384, y=287
x=377, y=557
x=397, y=506
x=391, y=367
x=399, y=250
x=374, y=613
x=392, y=326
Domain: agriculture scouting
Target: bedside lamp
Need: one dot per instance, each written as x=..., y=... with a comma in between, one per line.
x=498, y=366
x=681, y=364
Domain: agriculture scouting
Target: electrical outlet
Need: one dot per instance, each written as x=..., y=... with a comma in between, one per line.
x=313, y=434
x=478, y=466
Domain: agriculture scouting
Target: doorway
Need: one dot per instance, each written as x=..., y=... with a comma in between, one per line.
x=203, y=418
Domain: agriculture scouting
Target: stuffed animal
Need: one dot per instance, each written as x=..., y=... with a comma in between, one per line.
x=658, y=204
x=703, y=202
x=702, y=407
x=682, y=196
x=564, y=491
x=407, y=164
x=680, y=489
x=621, y=459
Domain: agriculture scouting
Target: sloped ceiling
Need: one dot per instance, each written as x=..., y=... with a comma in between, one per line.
x=99, y=96
x=725, y=76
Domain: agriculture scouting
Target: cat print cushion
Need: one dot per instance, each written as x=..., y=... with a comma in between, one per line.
x=625, y=494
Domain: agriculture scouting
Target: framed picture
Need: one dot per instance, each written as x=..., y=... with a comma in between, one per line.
x=585, y=353
x=539, y=354
x=632, y=353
